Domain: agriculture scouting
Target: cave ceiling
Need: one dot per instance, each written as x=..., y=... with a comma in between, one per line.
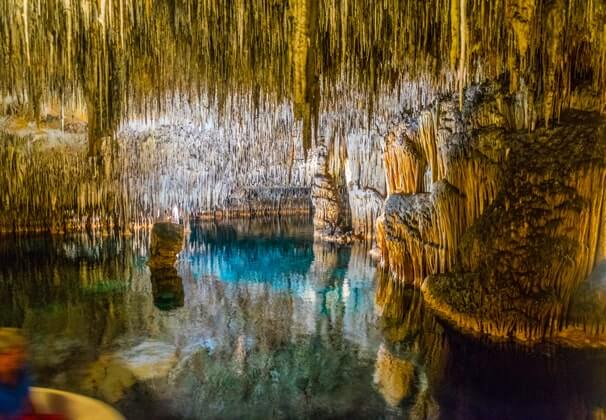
x=124, y=59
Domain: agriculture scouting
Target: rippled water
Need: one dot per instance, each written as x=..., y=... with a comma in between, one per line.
x=265, y=323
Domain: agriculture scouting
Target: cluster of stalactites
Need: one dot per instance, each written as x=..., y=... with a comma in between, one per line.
x=47, y=185
x=54, y=189
x=129, y=58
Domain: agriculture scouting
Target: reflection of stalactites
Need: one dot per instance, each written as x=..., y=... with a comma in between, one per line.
x=305, y=83
x=395, y=377
x=167, y=289
x=399, y=307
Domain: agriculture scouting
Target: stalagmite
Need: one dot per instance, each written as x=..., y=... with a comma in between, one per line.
x=166, y=243
x=331, y=216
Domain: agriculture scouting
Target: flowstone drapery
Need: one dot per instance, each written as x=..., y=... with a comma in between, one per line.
x=499, y=226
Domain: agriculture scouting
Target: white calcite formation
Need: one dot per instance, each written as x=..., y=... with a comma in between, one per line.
x=48, y=183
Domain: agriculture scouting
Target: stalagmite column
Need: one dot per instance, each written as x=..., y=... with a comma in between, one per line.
x=331, y=207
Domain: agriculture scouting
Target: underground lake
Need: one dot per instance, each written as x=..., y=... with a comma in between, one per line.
x=263, y=321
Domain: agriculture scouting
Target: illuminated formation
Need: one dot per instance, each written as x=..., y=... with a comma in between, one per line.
x=499, y=226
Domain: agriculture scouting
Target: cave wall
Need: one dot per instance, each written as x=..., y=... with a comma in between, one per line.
x=119, y=61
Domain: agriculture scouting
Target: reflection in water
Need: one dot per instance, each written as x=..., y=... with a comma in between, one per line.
x=167, y=286
x=471, y=379
x=267, y=324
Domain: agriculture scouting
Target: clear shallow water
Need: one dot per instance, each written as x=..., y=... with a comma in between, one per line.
x=266, y=324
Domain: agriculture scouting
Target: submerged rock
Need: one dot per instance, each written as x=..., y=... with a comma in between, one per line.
x=112, y=375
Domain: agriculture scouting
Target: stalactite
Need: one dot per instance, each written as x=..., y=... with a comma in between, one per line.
x=403, y=157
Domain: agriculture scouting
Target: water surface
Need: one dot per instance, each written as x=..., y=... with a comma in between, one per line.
x=265, y=323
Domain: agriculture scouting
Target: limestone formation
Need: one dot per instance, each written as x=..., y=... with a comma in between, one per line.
x=442, y=171
x=329, y=198
x=512, y=224
x=465, y=136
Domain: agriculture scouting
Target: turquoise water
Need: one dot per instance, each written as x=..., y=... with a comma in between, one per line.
x=261, y=322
